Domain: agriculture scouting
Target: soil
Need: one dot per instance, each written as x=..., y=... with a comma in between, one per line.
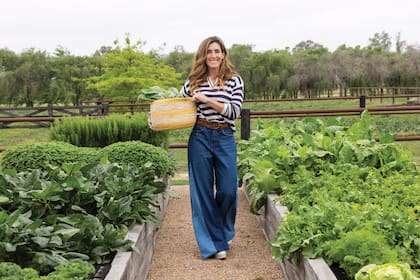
x=176, y=254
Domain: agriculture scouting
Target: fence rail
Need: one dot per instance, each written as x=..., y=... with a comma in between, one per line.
x=34, y=115
x=247, y=115
x=42, y=116
x=388, y=96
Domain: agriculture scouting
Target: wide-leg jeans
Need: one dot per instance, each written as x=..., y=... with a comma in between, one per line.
x=213, y=176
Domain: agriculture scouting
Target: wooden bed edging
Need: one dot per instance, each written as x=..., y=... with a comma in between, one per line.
x=269, y=219
x=133, y=265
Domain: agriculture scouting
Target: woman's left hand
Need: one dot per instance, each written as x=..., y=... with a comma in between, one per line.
x=201, y=97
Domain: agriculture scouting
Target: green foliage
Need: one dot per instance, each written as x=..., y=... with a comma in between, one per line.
x=139, y=153
x=343, y=189
x=127, y=70
x=39, y=155
x=121, y=72
x=42, y=155
x=34, y=77
x=12, y=271
x=386, y=271
x=76, y=211
x=74, y=269
x=354, y=249
x=101, y=132
x=156, y=93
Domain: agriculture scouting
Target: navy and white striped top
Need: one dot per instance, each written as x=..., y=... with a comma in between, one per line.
x=232, y=97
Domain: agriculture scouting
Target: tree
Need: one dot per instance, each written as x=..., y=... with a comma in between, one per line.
x=400, y=45
x=381, y=42
x=32, y=77
x=242, y=57
x=127, y=70
x=180, y=60
x=307, y=45
x=8, y=63
x=306, y=66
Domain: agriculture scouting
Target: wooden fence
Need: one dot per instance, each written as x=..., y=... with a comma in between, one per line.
x=35, y=117
x=43, y=116
x=247, y=115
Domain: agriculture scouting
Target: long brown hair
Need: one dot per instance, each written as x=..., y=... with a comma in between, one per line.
x=199, y=70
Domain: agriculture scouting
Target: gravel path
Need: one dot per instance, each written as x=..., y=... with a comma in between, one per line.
x=176, y=253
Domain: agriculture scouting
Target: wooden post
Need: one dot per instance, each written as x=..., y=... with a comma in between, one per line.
x=104, y=109
x=50, y=110
x=245, y=124
x=362, y=102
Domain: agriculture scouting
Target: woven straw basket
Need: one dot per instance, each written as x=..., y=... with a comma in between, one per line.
x=173, y=113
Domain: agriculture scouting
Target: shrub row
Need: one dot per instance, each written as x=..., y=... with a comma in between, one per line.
x=101, y=132
x=40, y=155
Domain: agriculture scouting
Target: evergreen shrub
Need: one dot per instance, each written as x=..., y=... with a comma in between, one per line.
x=101, y=132
x=139, y=153
x=39, y=155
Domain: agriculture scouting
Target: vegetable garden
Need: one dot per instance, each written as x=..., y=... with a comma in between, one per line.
x=352, y=200
x=64, y=208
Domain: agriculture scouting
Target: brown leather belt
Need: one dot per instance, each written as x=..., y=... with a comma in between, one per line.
x=212, y=125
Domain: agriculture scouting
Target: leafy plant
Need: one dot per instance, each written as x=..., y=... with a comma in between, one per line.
x=74, y=269
x=336, y=181
x=12, y=271
x=354, y=250
x=40, y=155
x=77, y=211
x=138, y=153
x=156, y=93
x=386, y=271
x=101, y=132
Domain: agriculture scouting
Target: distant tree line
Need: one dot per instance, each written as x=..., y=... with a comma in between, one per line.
x=122, y=71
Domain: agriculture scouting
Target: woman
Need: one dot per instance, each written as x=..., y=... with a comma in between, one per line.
x=219, y=92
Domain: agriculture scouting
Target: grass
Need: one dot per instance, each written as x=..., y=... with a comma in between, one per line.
x=181, y=157
x=414, y=148
x=12, y=137
x=15, y=136
x=325, y=104
x=175, y=182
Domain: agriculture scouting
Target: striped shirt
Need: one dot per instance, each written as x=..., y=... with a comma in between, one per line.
x=232, y=97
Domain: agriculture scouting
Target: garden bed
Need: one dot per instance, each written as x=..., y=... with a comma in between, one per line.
x=133, y=265
x=309, y=269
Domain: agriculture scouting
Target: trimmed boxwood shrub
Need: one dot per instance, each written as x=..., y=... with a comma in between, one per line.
x=101, y=132
x=39, y=155
x=139, y=153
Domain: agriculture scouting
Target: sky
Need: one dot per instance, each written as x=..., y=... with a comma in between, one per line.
x=83, y=26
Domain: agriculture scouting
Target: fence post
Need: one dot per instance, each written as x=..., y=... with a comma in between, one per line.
x=104, y=109
x=132, y=107
x=245, y=124
x=362, y=103
x=50, y=110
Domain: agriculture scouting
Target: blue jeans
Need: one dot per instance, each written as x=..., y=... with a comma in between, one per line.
x=212, y=161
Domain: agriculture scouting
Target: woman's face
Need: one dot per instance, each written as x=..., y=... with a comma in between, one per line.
x=215, y=56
